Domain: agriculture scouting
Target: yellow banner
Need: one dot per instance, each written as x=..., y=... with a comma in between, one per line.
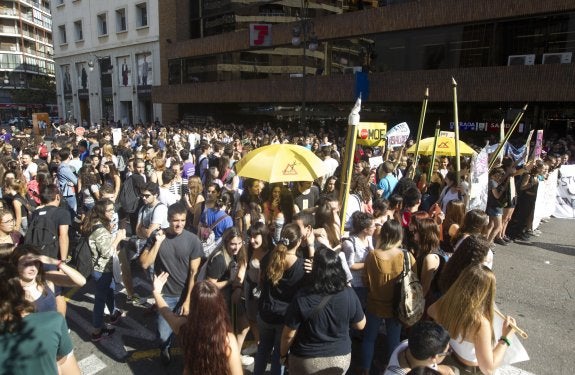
x=371, y=133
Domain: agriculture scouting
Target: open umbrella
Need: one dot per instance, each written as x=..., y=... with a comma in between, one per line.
x=445, y=147
x=281, y=163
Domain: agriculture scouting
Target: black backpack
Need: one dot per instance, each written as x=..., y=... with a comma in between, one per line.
x=42, y=232
x=128, y=198
x=81, y=255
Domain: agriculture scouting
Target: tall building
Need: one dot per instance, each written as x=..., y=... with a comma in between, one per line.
x=107, y=59
x=240, y=57
x=26, y=64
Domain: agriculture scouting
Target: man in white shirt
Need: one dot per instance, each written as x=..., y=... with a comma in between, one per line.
x=29, y=168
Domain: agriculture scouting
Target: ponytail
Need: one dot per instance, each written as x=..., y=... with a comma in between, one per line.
x=290, y=236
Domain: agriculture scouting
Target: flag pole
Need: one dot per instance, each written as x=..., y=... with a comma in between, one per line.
x=508, y=135
x=347, y=166
x=432, y=163
x=456, y=125
x=420, y=129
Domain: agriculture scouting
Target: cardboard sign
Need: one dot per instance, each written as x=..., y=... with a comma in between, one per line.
x=447, y=134
x=398, y=135
x=371, y=133
x=538, y=145
x=375, y=162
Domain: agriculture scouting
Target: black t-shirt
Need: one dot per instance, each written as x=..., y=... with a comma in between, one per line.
x=174, y=257
x=275, y=299
x=327, y=334
x=217, y=268
x=309, y=200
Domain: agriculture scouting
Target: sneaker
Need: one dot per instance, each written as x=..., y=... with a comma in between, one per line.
x=532, y=233
x=165, y=356
x=105, y=332
x=135, y=300
x=500, y=241
x=523, y=239
x=507, y=239
x=116, y=316
x=247, y=360
x=250, y=350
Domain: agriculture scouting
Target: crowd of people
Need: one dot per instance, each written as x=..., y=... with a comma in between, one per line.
x=265, y=260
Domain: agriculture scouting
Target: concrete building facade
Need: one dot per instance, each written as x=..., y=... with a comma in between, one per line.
x=107, y=57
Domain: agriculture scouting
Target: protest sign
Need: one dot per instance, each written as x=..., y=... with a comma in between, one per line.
x=545, y=202
x=538, y=145
x=371, y=133
x=375, y=162
x=398, y=135
x=116, y=136
x=479, y=181
x=565, y=198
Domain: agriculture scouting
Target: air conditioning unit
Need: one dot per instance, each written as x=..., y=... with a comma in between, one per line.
x=521, y=60
x=557, y=58
x=352, y=69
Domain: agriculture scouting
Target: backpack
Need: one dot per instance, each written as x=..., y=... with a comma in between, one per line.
x=409, y=298
x=42, y=232
x=128, y=197
x=81, y=255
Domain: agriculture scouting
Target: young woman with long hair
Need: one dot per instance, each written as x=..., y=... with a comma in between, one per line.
x=283, y=213
x=474, y=249
x=22, y=332
x=39, y=283
x=13, y=194
x=474, y=222
x=322, y=344
x=494, y=208
x=8, y=235
x=259, y=245
x=466, y=310
x=111, y=176
x=89, y=185
x=208, y=342
x=97, y=227
x=194, y=202
x=281, y=280
x=327, y=225
x=429, y=257
x=382, y=268
x=453, y=221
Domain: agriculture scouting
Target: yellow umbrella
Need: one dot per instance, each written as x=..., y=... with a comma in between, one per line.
x=281, y=163
x=445, y=147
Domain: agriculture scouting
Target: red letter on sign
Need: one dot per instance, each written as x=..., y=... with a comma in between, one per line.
x=263, y=31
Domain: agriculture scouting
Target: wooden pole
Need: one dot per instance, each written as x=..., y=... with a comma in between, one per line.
x=347, y=166
x=456, y=125
x=508, y=135
x=420, y=129
x=431, y=164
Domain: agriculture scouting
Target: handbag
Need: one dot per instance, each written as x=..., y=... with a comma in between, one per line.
x=208, y=237
x=410, y=301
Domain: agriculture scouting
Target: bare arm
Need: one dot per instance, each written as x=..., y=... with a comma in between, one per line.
x=288, y=335
x=488, y=357
x=65, y=275
x=234, y=360
x=17, y=214
x=430, y=266
x=68, y=365
x=174, y=321
x=359, y=325
x=148, y=256
x=63, y=241
x=193, y=271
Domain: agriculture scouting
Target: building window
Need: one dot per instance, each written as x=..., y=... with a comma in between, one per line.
x=59, y=2
x=142, y=14
x=78, y=31
x=62, y=32
x=102, y=24
x=121, y=20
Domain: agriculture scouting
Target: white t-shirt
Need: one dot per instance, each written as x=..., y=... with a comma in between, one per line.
x=167, y=197
x=356, y=252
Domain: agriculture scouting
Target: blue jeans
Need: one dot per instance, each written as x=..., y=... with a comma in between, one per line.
x=393, y=331
x=104, y=296
x=164, y=329
x=270, y=336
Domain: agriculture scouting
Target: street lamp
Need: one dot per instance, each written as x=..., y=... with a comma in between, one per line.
x=304, y=35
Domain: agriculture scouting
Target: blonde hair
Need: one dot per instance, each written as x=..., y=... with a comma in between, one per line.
x=470, y=298
x=195, y=188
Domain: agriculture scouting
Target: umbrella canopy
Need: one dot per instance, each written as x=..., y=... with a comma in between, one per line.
x=281, y=163
x=445, y=147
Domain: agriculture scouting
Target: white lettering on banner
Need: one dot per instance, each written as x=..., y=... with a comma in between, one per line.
x=545, y=202
x=565, y=198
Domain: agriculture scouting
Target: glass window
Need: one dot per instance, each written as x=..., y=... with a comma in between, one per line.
x=78, y=31
x=142, y=14
x=62, y=32
x=102, y=24
x=121, y=20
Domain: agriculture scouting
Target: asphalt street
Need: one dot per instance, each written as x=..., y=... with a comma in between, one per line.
x=535, y=284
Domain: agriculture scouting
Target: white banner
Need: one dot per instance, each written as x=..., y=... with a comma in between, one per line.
x=545, y=202
x=398, y=135
x=479, y=181
x=565, y=198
